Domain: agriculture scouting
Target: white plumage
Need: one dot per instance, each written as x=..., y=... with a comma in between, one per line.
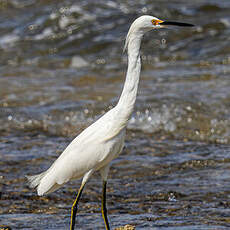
x=90, y=151
x=101, y=142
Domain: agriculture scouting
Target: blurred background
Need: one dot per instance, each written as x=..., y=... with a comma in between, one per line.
x=62, y=67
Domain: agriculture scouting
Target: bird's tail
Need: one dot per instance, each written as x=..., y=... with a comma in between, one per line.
x=35, y=180
x=43, y=182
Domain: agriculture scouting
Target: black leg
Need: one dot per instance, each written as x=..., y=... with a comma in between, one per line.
x=74, y=207
x=103, y=206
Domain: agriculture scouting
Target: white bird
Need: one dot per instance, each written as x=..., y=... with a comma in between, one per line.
x=101, y=142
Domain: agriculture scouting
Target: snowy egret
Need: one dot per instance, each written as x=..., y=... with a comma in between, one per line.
x=101, y=142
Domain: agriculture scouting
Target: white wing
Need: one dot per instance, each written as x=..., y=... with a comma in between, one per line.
x=92, y=149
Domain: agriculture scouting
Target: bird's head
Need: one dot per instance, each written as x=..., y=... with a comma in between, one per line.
x=147, y=23
x=144, y=24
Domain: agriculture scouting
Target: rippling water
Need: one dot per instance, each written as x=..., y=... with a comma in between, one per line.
x=61, y=67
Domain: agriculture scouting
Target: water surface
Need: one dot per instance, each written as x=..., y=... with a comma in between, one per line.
x=62, y=67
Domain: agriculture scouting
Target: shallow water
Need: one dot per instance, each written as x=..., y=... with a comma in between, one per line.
x=61, y=67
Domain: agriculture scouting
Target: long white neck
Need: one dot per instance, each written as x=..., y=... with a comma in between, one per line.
x=127, y=100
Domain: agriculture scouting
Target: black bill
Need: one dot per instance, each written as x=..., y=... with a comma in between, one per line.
x=176, y=23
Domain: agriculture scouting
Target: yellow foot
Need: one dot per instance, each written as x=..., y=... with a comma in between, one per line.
x=126, y=227
x=5, y=227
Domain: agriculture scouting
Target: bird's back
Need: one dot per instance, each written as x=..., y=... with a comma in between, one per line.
x=94, y=148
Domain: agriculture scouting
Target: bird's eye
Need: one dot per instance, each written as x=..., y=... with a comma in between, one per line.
x=154, y=22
